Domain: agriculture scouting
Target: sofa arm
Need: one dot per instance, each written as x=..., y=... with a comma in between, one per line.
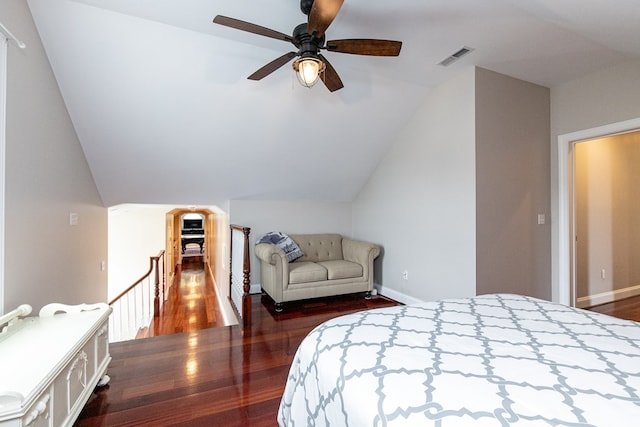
x=361, y=252
x=274, y=270
x=270, y=254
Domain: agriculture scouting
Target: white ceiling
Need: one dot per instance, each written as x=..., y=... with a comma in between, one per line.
x=160, y=101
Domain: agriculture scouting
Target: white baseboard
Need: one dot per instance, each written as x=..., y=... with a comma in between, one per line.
x=397, y=296
x=605, y=297
x=236, y=300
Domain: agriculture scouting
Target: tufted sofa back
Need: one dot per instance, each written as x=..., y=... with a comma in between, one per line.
x=319, y=247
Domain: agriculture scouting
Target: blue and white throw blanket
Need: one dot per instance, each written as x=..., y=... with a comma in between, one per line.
x=284, y=242
x=492, y=360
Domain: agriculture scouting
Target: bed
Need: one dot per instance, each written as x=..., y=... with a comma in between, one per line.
x=490, y=360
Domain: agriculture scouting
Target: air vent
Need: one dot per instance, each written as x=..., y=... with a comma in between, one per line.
x=455, y=56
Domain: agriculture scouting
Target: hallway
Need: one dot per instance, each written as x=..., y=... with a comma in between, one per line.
x=192, y=303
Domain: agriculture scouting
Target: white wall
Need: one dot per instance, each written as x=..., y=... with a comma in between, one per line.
x=47, y=178
x=419, y=204
x=512, y=172
x=219, y=254
x=293, y=217
x=136, y=232
x=608, y=96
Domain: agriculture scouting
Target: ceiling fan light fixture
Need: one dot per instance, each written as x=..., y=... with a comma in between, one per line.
x=308, y=69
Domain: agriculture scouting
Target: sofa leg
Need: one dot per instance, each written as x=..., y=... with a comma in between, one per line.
x=279, y=307
x=367, y=295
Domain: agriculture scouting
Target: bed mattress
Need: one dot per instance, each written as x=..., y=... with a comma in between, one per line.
x=492, y=360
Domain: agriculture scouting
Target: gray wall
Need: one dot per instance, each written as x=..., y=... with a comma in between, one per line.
x=608, y=96
x=512, y=186
x=455, y=200
x=47, y=177
x=295, y=217
x=419, y=204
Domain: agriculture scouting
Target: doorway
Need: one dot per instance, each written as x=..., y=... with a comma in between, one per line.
x=564, y=282
x=606, y=209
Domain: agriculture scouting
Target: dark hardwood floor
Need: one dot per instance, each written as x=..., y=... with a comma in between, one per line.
x=628, y=308
x=216, y=376
x=193, y=370
x=191, y=305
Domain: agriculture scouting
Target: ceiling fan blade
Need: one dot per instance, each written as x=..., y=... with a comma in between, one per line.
x=251, y=28
x=330, y=77
x=322, y=14
x=371, y=47
x=272, y=66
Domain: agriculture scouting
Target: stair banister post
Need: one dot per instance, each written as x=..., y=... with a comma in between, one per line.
x=156, y=298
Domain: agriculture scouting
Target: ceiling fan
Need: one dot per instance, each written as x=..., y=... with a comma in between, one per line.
x=309, y=39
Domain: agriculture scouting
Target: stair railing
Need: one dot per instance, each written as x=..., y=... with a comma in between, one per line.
x=240, y=274
x=137, y=305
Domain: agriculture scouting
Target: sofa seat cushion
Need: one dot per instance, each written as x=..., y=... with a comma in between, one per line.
x=340, y=269
x=304, y=271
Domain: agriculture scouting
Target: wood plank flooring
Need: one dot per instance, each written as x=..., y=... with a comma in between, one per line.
x=191, y=304
x=628, y=308
x=216, y=376
x=198, y=372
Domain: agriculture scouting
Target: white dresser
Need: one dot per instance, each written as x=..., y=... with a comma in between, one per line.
x=50, y=364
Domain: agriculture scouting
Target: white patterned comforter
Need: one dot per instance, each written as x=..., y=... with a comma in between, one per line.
x=493, y=360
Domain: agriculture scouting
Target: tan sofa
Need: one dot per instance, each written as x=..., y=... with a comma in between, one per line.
x=331, y=265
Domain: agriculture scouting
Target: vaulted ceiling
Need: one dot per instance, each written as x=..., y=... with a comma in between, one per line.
x=159, y=97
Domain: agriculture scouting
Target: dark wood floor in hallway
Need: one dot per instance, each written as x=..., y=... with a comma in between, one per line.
x=192, y=303
x=216, y=376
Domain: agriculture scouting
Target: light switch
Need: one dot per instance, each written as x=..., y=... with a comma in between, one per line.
x=541, y=219
x=73, y=218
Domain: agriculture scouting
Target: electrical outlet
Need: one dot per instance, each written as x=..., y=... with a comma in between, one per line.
x=405, y=275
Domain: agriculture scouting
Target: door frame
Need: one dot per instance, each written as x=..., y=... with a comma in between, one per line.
x=563, y=287
x=3, y=134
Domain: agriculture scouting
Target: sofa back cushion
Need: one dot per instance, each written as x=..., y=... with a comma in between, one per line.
x=319, y=247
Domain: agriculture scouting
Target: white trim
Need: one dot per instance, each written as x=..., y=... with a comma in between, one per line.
x=9, y=35
x=3, y=135
x=4, y=41
x=563, y=287
x=397, y=296
x=236, y=300
x=605, y=297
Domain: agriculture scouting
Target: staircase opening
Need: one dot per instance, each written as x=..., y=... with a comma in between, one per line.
x=137, y=232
